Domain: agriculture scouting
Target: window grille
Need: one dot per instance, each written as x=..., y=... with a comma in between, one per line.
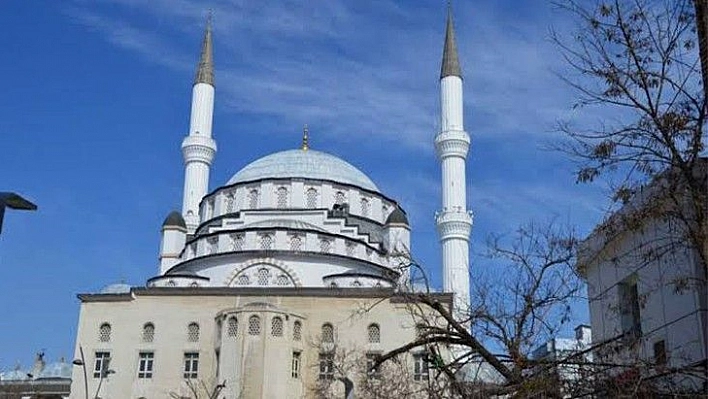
x=350, y=247
x=193, y=249
x=171, y=283
x=266, y=241
x=297, y=331
x=374, y=334
x=356, y=283
x=145, y=364
x=191, y=365
x=332, y=285
x=378, y=285
x=193, y=332
x=371, y=372
x=104, y=332
x=326, y=366
x=232, y=326
x=230, y=202
x=384, y=211
x=325, y=245
x=311, y=198
x=253, y=199
x=101, y=364
x=282, y=197
x=148, y=332
x=276, y=327
x=282, y=280
x=243, y=280
x=295, y=367
x=295, y=243
x=194, y=284
x=254, y=325
x=237, y=242
x=263, y=276
x=369, y=251
x=420, y=367
x=365, y=206
x=327, y=333
x=213, y=244
x=339, y=197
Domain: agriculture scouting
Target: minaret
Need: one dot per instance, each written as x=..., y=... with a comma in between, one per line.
x=198, y=147
x=454, y=222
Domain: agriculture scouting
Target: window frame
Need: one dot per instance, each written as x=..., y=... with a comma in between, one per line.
x=101, y=363
x=191, y=365
x=146, y=360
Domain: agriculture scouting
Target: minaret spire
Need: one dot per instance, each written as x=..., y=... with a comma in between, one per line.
x=205, y=69
x=450, y=61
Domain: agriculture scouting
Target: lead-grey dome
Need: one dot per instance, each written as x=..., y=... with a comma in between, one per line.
x=174, y=219
x=398, y=216
x=307, y=164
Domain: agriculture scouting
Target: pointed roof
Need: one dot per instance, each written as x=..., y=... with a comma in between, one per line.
x=450, y=61
x=205, y=69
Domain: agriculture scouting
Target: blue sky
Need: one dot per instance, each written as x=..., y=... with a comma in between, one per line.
x=96, y=99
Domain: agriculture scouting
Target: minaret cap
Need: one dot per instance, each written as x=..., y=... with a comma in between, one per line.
x=305, y=138
x=450, y=61
x=205, y=69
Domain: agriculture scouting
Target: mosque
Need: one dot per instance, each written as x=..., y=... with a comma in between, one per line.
x=264, y=278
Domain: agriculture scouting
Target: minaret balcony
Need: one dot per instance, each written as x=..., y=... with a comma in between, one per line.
x=452, y=143
x=454, y=223
x=199, y=148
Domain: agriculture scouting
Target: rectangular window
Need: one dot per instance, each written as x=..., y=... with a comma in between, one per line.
x=371, y=359
x=103, y=360
x=660, y=353
x=630, y=316
x=191, y=365
x=326, y=366
x=420, y=367
x=145, y=364
x=295, y=368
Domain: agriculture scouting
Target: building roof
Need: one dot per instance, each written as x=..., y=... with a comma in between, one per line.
x=303, y=164
x=174, y=219
x=398, y=216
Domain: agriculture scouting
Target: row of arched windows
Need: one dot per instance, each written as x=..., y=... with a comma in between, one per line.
x=282, y=199
x=373, y=333
x=254, y=327
x=148, y=332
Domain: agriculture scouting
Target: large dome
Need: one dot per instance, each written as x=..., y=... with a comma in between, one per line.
x=307, y=164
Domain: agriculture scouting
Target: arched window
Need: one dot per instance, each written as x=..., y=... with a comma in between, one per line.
x=350, y=247
x=232, y=326
x=193, y=332
x=332, y=285
x=243, y=280
x=339, y=197
x=237, y=242
x=213, y=245
x=325, y=245
x=374, y=334
x=282, y=280
x=365, y=206
x=104, y=332
x=327, y=333
x=194, y=284
x=253, y=199
x=297, y=331
x=356, y=283
x=266, y=241
x=148, y=332
x=282, y=197
x=171, y=283
x=295, y=243
x=311, y=198
x=254, y=325
x=263, y=276
x=230, y=202
x=276, y=327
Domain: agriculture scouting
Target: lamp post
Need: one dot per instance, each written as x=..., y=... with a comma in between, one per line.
x=104, y=375
x=82, y=362
x=13, y=201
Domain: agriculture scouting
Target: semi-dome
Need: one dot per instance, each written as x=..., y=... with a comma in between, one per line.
x=307, y=164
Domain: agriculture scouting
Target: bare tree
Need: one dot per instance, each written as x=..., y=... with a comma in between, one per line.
x=199, y=389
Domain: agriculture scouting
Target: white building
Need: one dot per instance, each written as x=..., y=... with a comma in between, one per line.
x=647, y=296
x=568, y=366
x=262, y=278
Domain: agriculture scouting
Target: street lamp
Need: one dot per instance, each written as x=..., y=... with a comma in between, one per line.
x=13, y=201
x=82, y=362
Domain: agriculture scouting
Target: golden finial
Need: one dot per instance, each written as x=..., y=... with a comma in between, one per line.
x=305, y=138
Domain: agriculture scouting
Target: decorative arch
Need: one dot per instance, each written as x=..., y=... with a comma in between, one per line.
x=274, y=263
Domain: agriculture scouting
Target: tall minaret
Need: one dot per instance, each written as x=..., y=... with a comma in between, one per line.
x=198, y=147
x=454, y=222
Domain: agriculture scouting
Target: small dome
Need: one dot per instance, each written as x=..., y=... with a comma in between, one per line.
x=398, y=216
x=118, y=288
x=14, y=375
x=303, y=164
x=56, y=370
x=174, y=219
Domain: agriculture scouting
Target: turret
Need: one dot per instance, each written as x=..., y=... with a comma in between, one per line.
x=198, y=147
x=174, y=236
x=454, y=221
x=397, y=241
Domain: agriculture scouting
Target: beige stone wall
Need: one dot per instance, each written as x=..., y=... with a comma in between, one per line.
x=253, y=366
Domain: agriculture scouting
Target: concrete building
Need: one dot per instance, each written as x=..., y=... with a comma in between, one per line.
x=647, y=293
x=263, y=281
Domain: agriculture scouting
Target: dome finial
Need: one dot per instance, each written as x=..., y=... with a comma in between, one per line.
x=305, y=138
